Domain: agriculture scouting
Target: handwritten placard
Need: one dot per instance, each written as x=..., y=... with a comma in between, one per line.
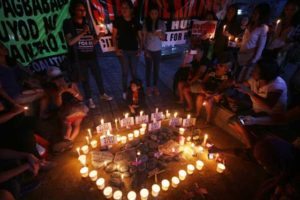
x=175, y=121
x=125, y=122
x=154, y=126
x=108, y=140
x=189, y=122
x=104, y=127
x=141, y=119
x=157, y=116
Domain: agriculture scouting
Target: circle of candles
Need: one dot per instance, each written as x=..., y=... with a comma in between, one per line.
x=107, y=192
x=100, y=183
x=144, y=125
x=93, y=175
x=118, y=195
x=175, y=181
x=130, y=136
x=190, y=169
x=199, y=164
x=136, y=133
x=142, y=131
x=155, y=190
x=82, y=159
x=144, y=193
x=123, y=139
x=165, y=184
x=131, y=195
x=220, y=167
x=182, y=174
x=84, y=171
x=94, y=143
x=85, y=149
x=181, y=131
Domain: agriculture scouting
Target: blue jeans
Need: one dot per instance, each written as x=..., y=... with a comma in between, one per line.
x=128, y=61
x=152, y=58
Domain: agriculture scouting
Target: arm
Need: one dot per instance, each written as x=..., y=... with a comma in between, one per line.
x=201, y=70
x=76, y=92
x=73, y=40
x=6, y=175
x=261, y=44
x=269, y=102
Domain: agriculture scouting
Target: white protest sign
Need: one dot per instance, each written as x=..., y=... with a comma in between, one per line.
x=175, y=121
x=157, y=116
x=141, y=119
x=104, y=127
x=108, y=140
x=154, y=126
x=125, y=122
x=189, y=122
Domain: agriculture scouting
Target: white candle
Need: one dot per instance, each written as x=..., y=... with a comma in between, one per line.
x=181, y=131
x=100, y=183
x=107, y=192
x=85, y=149
x=130, y=136
x=165, y=184
x=78, y=150
x=142, y=131
x=141, y=113
x=182, y=174
x=188, y=116
x=90, y=133
x=155, y=190
x=156, y=110
x=102, y=121
x=87, y=140
x=82, y=159
x=167, y=114
x=200, y=149
x=116, y=123
x=136, y=133
x=93, y=175
x=144, y=193
x=175, y=181
x=190, y=169
x=199, y=164
x=94, y=143
x=175, y=114
x=131, y=195
x=224, y=28
x=205, y=139
x=118, y=195
x=220, y=167
x=126, y=115
x=84, y=171
x=181, y=140
x=277, y=23
x=144, y=125
x=123, y=139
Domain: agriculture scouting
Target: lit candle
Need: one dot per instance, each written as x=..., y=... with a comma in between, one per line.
x=131, y=195
x=155, y=190
x=141, y=113
x=211, y=156
x=190, y=169
x=167, y=114
x=82, y=159
x=205, y=139
x=181, y=131
x=85, y=149
x=277, y=23
x=142, y=131
x=136, y=133
x=138, y=153
x=116, y=123
x=100, y=183
x=204, y=103
x=175, y=115
x=126, y=115
x=78, y=150
x=144, y=125
x=107, y=192
x=87, y=140
x=224, y=28
x=118, y=195
x=108, y=132
x=188, y=116
x=102, y=121
x=93, y=175
x=156, y=110
x=200, y=149
x=175, y=181
x=84, y=171
x=26, y=108
x=94, y=143
x=220, y=167
x=144, y=193
x=130, y=136
x=236, y=39
x=165, y=184
x=123, y=139
x=182, y=174
x=90, y=133
x=181, y=140
x=199, y=164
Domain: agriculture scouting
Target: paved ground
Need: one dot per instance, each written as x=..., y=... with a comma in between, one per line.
x=240, y=180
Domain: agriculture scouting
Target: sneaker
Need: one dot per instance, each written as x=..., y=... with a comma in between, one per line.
x=105, y=97
x=124, y=95
x=91, y=104
x=149, y=91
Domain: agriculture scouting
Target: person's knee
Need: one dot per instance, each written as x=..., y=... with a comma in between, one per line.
x=6, y=195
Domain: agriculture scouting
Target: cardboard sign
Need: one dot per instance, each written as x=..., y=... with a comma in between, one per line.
x=157, y=116
x=108, y=140
x=204, y=28
x=154, y=126
x=175, y=121
x=102, y=128
x=125, y=122
x=141, y=119
x=189, y=122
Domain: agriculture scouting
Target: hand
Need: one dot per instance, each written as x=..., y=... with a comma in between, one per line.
x=34, y=164
x=101, y=34
x=86, y=29
x=17, y=109
x=119, y=52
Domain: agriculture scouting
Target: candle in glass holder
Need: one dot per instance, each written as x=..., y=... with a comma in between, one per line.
x=118, y=195
x=200, y=149
x=93, y=175
x=141, y=113
x=168, y=114
x=188, y=116
x=107, y=192
x=199, y=164
x=136, y=133
x=190, y=169
x=182, y=174
x=181, y=131
x=220, y=167
x=82, y=159
x=142, y=131
x=84, y=171
x=131, y=195
x=175, y=181
x=123, y=139
x=155, y=190
x=144, y=193
x=144, y=125
x=165, y=184
x=100, y=183
x=94, y=143
x=126, y=115
x=85, y=149
x=130, y=136
x=90, y=133
x=102, y=121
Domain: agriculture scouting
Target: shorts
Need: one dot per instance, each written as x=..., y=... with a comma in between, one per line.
x=196, y=87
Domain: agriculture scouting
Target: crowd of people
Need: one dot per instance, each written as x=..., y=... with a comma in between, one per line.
x=246, y=78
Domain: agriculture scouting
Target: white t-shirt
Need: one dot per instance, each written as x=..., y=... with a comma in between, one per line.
x=152, y=42
x=277, y=84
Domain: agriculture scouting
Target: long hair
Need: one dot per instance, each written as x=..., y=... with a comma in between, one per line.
x=234, y=19
x=264, y=11
x=149, y=21
x=296, y=17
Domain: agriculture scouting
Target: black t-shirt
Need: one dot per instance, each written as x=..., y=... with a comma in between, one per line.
x=127, y=33
x=84, y=47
